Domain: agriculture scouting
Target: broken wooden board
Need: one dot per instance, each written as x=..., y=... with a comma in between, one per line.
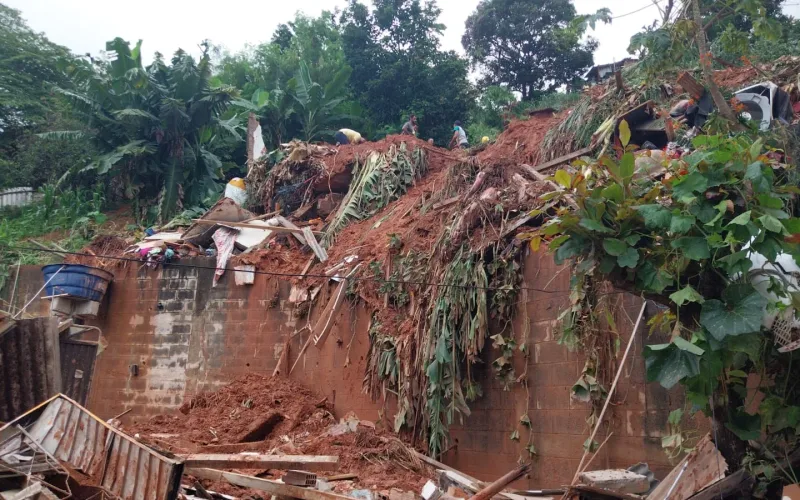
x=737, y=485
x=256, y=461
x=273, y=487
x=311, y=240
x=563, y=159
x=706, y=466
x=296, y=231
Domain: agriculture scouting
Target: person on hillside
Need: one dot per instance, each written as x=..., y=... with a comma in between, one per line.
x=410, y=127
x=347, y=136
x=459, y=137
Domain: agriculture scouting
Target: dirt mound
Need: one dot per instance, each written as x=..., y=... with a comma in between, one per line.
x=106, y=244
x=520, y=141
x=736, y=77
x=262, y=414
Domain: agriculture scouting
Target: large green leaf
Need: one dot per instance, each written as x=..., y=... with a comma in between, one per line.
x=681, y=223
x=614, y=247
x=744, y=425
x=655, y=216
x=686, y=294
x=741, y=312
x=688, y=185
x=694, y=248
x=670, y=363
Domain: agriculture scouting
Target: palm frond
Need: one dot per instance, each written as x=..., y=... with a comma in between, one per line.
x=134, y=113
x=61, y=135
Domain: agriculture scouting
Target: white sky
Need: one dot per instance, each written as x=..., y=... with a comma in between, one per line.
x=165, y=25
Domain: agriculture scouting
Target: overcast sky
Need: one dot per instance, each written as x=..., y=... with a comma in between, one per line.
x=165, y=25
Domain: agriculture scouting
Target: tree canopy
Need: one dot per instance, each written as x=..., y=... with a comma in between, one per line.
x=398, y=68
x=527, y=45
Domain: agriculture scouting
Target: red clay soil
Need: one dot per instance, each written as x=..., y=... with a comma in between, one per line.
x=279, y=258
x=736, y=77
x=224, y=416
x=520, y=141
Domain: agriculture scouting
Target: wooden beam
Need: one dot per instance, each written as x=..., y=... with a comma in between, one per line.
x=738, y=482
x=497, y=486
x=563, y=159
x=278, y=229
x=691, y=86
x=240, y=461
x=272, y=487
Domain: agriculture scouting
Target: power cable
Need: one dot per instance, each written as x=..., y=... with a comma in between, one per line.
x=282, y=275
x=652, y=4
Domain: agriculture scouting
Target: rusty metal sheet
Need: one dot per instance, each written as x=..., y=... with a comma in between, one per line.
x=77, y=368
x=122, y=465
x=29, y=365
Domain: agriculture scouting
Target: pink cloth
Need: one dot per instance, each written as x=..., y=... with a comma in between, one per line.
x=223, y=238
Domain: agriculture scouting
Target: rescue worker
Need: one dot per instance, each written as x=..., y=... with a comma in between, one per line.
x=459, y=137
x=347, y=136
x=410, y=127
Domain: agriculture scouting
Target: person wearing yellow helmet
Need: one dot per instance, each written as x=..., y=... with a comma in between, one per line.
x=485, y=139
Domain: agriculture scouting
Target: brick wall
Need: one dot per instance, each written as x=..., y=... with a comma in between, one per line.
x=187, y=336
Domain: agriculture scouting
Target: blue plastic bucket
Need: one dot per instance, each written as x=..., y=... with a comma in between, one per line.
x=76, y=280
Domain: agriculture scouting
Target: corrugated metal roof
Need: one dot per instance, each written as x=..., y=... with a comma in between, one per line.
x=29, y=365
x=116, y=461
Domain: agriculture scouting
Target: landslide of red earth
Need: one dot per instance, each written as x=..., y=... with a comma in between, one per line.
x=303, y=427
x=520, y=141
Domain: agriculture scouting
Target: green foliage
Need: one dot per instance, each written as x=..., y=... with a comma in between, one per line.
x=529, y=45
x=684, y=240
x=378, y=180
x=158, y=129
x=398, y=68
x=29, y=64
x=75, y=212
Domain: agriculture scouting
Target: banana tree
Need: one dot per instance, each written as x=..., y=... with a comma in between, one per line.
x=320, y=108
x=158, y=126
x=275, y=111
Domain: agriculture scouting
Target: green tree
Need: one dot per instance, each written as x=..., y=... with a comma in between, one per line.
x=527, y=45
x=30, y=65
x=398, y=68
x=157, y=128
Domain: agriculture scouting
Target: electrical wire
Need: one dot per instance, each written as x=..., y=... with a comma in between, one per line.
x=652, y=4
x=281, y=275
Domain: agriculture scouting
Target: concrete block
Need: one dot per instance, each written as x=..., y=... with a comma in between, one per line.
x=618, y=480
x=86, y=308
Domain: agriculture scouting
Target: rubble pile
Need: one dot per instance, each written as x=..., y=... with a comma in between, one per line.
x=271, y=415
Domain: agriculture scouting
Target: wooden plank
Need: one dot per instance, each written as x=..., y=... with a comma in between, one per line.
x=320, y=252
x=247, y=225
x=563, y=159
x=738, y=482
x=706, y=467
x=297, y=232
x=497, y=486
x=254, y=461
x=272, y=487
x=691, y=86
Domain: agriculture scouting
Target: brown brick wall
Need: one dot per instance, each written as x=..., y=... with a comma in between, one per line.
x=187, y=336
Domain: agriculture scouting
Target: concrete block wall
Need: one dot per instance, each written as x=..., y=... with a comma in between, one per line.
x=186, y=336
